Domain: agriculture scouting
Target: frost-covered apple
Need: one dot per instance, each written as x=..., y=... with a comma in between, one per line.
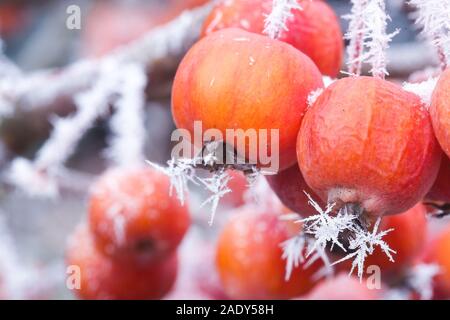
x=103, y=278
x=238, y=80
x=314, y=29
x=249, y=258
x=369, y=143
x=132, y=215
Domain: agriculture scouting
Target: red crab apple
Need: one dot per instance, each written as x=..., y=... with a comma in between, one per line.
x=343, y=287
x=131, y=214
x=238, y=80
x=315, y=30
x=407, y=239
x=437, y=252
x=103, y=278
x=440, y=191
x=290, y=187
x=440, y=111
x=238, y=185
x=366, y=141
x=249, y=258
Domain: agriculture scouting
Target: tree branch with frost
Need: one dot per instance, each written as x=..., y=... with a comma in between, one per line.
x=368, y=37
x=38, y=177
x=127, y=124
x=433, y=16
x=27, y=92
x=276, y=21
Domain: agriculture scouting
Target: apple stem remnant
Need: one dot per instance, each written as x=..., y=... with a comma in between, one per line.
x=368, y=37
x=434, y=18
x=275, y=22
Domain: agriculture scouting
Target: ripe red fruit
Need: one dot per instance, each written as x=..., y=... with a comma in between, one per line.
x=131, y=214
x=437, y=252
x=238, y=185
x=343, y=287
x=290, y=187
x=367, y=141
x=103, y=278
x=407, y=239
x=234, y=79
x=315, y=30
x=249, y=258
x=440, y=191
x=440, y=111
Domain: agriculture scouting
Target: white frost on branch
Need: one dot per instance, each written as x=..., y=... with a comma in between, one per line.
x=41, y=174
x=276, y=21
x=368, y=37
x=127, y=124
x=40, y=89
x=363, y=243
x=218, y=186
x=433, y=17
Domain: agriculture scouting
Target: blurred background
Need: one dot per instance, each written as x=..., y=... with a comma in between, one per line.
x=33, y=231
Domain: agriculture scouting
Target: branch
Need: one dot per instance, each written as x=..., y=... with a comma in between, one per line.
x=434, y=18
x=26, y=92
x=369, y=40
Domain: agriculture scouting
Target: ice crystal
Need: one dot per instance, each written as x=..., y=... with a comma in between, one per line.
x=218, y=186
x=423, y=89
x=276, y=21
x=294, y=253
x=363, y=243
x=180, y=171
x=312, y=97
x=434, y=18
x=326, y=228
x=368, y=37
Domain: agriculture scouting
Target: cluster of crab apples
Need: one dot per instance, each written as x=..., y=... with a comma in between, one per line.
x=364, y=144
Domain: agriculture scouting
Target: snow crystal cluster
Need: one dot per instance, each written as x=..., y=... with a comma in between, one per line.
x=434, y=18
x=323, y=231
x=276, y=21
x=368, y=37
